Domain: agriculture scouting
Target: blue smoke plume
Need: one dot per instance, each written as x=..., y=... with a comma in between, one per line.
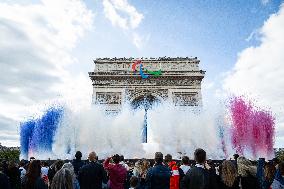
x=37, y=134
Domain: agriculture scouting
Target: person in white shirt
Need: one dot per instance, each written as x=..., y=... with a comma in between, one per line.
x=185, y=167
x=44, y=169
x=123, y=163
x=22, y=168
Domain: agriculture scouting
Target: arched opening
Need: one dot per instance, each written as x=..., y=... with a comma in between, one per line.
x=145, y=102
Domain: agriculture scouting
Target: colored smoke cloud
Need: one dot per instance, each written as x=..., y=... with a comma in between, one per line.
x=252, y=128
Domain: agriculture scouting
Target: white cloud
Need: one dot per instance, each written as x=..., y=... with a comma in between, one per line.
x=125, y=16
x=259, y=71
x=122, y=14
x=36, y=41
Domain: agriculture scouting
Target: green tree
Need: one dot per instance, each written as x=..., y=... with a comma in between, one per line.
x=280, y=154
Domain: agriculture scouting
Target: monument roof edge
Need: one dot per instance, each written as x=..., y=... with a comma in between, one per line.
x=124, y=59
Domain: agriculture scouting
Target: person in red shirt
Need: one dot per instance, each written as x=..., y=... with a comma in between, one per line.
x=117, y=172
x=175, y=178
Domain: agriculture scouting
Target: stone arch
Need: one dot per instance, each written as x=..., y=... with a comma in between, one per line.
x=146, y=100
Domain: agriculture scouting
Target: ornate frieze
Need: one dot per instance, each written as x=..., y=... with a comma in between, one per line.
x=185, y=98
x=108, y=97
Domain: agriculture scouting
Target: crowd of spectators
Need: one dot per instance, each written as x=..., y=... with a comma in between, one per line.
x=162, y=173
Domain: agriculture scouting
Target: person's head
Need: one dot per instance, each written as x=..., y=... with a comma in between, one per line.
x=269, y=171
x=133, y=182
x=145, y=165
x=12, y=165
x=245, y=167
x=45, y=164
x=121, y=158
x=58, y=165
x=116, y=158
x=236, y=156
x=275, y=161
x=63, y=179
x=229, y=173
x=168, y=158
x=33, y=173
x=92, y=156
x=22, y=163
x=78, y=155
x=32, y=158
x=185, y=160
x=281, y=168
x=200, y=156
x=158, y=157
x=70, y=167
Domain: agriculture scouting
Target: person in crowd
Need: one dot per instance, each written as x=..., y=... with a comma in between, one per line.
x=33, y=179
x=32, y=159
x=260, y=173
x=269, y=172
x=56, y=166
x=4, y=180
x=44, y=171
x=22, y=168
x=137, y=168
x=63, y=179
x=236, y=156
x=123, y=163
x=70, y=167
x=117, y=172
x=185, y=164
x=92, y=174
x=14, y=175
x=175, y=178
x=247, y=172
x=77, y=162
x=278, y=182
x=140, y=171
x=134, y=182
x=229, y=177
x=275, y=162
x=44, y=168
x=198, y=177
x=5, y=167
x=142, y=175
x=158, y=176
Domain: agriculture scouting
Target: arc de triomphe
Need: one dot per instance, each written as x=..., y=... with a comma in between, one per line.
x=116, y=83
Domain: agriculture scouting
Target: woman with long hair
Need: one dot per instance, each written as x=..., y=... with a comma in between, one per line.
x=144, y=169
x=278, y=182
x=33, y=179
x=229, y=176
x=63, y=179
x=269, y=173
x=14, y=175
x=247, y=172
x=137, y=168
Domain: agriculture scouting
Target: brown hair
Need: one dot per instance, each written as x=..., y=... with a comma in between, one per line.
x=33, y=173
x=269, y=171
x=229, y=173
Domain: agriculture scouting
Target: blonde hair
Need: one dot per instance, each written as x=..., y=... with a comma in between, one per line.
x=245, y=167
x=229, y=173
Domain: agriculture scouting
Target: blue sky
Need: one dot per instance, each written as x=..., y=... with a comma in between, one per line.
x=214, y=31
x=49, y=46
